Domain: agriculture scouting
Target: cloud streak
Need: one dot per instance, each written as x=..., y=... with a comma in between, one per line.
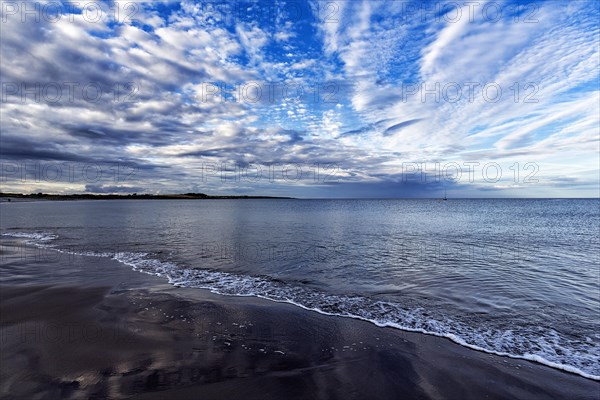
x=362, y=88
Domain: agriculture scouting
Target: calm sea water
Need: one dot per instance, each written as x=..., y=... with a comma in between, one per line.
x=514, y=277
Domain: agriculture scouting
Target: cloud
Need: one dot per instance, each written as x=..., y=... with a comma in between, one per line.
x=171, y=100
x=397, y=127
x=112, y=189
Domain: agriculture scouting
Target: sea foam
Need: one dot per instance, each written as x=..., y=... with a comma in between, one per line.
x=544, y=346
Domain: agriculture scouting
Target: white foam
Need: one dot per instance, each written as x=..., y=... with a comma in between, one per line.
x=36, y=238
x=552, y=351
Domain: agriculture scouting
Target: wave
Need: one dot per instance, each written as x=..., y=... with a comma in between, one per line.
x=541, y=345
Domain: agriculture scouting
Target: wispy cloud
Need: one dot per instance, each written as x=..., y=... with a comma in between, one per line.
x=360, y=88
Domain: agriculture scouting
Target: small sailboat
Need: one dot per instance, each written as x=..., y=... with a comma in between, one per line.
x=445, y=198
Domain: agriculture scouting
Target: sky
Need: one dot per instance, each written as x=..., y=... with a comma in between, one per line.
x=310, y=99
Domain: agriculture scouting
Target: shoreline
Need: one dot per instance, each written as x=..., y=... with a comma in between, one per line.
x=27, y=198
x=40, y=243
x=109, y=297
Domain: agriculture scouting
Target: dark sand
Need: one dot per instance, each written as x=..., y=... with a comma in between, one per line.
x=87, y=327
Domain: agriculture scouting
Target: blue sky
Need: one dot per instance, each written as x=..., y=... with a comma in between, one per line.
x=307, y=99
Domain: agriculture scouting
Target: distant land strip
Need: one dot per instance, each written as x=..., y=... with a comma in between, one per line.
x=6, y=197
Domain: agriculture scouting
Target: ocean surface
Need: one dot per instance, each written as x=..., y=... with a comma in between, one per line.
x=519, y=278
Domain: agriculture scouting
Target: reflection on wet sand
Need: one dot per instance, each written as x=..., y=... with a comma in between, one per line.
x=120, y=337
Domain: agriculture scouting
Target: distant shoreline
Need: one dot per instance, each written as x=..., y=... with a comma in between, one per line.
x=18, y=197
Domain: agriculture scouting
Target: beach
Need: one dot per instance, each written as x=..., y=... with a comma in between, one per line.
x=90, y=327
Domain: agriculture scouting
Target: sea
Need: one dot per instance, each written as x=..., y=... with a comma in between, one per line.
x=513, y=277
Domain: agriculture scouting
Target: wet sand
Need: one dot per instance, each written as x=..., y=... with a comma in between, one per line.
x=86, y=327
